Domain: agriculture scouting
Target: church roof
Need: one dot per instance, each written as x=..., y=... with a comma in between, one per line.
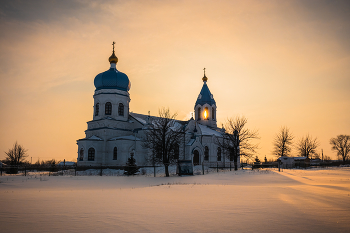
x=112, y=79
x=129, y=137
x=207, y=131
x=205, y=96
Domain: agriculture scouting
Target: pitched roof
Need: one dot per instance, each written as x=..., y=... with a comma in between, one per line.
x=205, y=96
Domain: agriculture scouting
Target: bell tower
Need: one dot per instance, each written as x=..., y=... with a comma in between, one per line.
x=205, y=107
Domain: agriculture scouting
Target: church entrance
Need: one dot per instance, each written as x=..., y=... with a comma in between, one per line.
x=196, y=157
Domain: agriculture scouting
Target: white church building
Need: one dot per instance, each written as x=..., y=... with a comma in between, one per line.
x=115, y=133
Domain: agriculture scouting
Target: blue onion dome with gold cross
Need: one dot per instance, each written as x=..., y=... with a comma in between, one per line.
x=112, y=78
x=205, y=96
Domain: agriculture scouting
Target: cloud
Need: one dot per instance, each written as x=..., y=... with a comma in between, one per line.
x=50, y=10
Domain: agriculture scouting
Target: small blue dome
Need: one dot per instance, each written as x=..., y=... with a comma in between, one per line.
x=112, y=79
x=205, y=97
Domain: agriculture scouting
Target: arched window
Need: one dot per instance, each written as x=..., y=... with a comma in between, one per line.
x=108, y=108
x=195, y=157
x=91, y=154
x=206, y=113
x=199, y=114
x=121, y=109
x=219, y=154
x=81, y=154
x=206, y=153
x=115, y=153
x=213, y=113
x=177, y=152
x=97, y=109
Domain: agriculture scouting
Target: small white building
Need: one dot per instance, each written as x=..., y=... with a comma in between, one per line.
x=292, y=162
x=115, y=133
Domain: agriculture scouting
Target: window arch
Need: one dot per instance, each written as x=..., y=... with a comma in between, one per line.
x=199, y=114
x=176, y=151
x=206, y=117
x=195, y=157
x=108, y=108
x=213, y=113
x=91, y=154
x=97, y=109
x=81, y=154
x=206, y=153
x=219, y=154
x=115, y=153
x=121, y=109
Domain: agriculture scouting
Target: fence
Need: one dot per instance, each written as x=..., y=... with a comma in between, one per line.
x=202, y=169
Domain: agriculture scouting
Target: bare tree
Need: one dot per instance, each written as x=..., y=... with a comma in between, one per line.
x=341, y=144
x=307, y=146
x=16, y=155
x=282, y=145
x=237, y=139
x=163, y=138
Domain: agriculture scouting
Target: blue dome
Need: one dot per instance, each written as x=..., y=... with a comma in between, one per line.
x=205, y=97
x=112, y=79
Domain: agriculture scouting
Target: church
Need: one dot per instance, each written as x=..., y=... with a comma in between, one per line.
x=115, y=133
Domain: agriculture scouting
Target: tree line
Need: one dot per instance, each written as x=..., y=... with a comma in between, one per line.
x=307, y=145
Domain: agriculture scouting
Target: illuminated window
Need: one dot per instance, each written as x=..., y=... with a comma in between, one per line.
x=97, y=109
x=206, y=113
x=108, y=108
x=91, y=154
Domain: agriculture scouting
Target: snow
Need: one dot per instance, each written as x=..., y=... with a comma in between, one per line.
x=313, y=200
x=129, y=137
x=95, y=138
x=207, y=131
x=141, y=120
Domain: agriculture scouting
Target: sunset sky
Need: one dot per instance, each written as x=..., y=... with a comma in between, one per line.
x=278, y=63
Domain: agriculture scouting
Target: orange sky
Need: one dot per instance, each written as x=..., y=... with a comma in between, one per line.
x=279, y=63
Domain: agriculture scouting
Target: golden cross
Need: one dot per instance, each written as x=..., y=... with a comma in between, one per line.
x=113, y=46
x=204, y=71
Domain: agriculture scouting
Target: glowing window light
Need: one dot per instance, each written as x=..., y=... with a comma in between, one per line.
x=205, y=114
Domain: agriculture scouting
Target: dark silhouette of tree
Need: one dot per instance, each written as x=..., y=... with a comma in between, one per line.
x=341, y=144
x=282, y=145
x=236, y=141
x=16, y=155
x=307, y=146
x=163, y=138
x=257, y=160
x=131, y=167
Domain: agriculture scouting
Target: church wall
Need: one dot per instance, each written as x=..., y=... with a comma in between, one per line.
x=114, y=97
x=86, y=144
x=124, y=149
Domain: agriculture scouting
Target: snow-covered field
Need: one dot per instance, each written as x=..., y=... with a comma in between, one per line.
x=241, y=201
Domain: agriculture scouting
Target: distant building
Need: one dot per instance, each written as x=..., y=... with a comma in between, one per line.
x=66, y=163
x=292, y=162
x=115, y=133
